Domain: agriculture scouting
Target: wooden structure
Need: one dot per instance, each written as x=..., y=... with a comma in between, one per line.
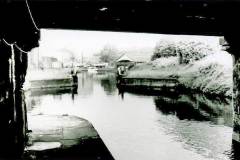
x=149, y=84
x=124, y=61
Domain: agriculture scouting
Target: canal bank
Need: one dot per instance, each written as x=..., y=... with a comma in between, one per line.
x=50, y=78
x=148, y=84
x=161, y=85
x=210, y=75
x=63, y=137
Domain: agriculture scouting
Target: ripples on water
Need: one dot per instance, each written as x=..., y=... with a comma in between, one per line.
x=138, y=126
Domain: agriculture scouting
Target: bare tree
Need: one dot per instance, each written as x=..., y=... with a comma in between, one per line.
x=164, y=48
x=108, y=54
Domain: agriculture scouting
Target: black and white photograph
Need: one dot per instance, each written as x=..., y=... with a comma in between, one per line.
x=119, y=80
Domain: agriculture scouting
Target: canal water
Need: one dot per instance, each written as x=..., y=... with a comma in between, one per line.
x=144, y=126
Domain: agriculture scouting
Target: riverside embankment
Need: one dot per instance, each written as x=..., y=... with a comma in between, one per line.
x=211, y=75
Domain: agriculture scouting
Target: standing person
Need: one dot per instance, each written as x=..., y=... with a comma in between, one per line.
x=119, y=74
x=121, y=70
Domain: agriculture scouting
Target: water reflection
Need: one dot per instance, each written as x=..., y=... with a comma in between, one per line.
x=108, y=84
x=197, y=126
x=85, y=84
x=196, y=107
x=147, y=126
x=183, y=110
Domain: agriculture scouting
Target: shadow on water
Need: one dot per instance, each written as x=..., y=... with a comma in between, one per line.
x=196, y=107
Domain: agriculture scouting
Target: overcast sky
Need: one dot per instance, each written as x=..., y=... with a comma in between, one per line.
x=53, y=42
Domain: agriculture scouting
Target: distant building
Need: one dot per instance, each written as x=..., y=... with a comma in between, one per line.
x=124, y=60
x=101, y=65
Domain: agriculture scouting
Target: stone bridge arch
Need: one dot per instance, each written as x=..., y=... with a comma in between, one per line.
x=22, y=19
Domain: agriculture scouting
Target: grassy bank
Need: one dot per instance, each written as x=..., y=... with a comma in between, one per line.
x=211, y=75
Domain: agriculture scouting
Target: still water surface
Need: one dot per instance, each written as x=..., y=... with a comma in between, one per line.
x=145, y=127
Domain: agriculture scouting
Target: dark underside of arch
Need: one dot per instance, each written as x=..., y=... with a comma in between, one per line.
x=198, y=17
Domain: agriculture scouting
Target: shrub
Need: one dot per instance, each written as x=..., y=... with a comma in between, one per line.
x=187, y=51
